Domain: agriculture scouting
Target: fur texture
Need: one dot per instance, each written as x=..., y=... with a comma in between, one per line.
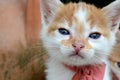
x=78, y=22
x=115, y=57
x=115, y=60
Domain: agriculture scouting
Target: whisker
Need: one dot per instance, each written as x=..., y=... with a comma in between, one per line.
x=99, y=58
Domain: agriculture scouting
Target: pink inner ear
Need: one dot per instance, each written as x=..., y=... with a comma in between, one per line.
x=114, y=24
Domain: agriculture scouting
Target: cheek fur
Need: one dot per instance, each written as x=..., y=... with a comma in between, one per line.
x=100, y=44
x=66, y=43
x=59, y=37
x=87, y=53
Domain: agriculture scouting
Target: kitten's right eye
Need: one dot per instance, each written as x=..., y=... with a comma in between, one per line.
x=95, y=35
x=63, y=31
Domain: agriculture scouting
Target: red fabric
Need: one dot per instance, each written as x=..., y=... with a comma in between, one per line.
x=114, y=77
x=88, y=72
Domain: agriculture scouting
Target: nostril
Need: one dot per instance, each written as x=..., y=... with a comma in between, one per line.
x=78, y=45
x=82, y=46
x=74, y=45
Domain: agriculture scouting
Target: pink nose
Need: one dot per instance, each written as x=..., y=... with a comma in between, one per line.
x=78, y=47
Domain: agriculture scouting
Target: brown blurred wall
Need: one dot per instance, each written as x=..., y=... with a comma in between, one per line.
x=19, y=27
x=19, y=23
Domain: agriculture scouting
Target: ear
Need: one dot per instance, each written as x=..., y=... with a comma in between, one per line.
x=112, y=12
x=118, y=35
x=48, y=10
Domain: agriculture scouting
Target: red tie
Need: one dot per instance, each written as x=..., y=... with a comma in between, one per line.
x=89, y=72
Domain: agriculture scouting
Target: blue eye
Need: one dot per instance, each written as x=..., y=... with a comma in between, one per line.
x=95, y=35
x=63, y=31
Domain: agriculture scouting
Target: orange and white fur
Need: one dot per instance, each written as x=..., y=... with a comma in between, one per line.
x=115, y=60
x=115, y=57
x=77, y=28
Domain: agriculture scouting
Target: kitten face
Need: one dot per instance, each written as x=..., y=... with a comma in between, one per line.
x=78, y=35
x=115, y=60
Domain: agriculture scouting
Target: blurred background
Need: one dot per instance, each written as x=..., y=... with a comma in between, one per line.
x=98, y=3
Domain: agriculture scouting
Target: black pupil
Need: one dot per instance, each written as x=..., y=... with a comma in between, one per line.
x=64, y=31
x=118, y=64
x=95, y=35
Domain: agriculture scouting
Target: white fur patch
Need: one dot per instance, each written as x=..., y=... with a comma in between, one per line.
x=81, y=15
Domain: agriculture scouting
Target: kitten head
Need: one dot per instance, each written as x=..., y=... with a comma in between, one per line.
x=115, y=60
x=78, y=34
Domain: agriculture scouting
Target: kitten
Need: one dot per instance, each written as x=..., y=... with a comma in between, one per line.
x=115, y=57
x=115, y=60
x=78, y=35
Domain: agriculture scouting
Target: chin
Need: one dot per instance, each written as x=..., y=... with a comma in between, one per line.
x=75, y=60
x=79, y=61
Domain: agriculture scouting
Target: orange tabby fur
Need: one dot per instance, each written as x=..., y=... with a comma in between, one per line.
x=115, y=56
x=114, y=59
x=67, y=13
x=78, y=21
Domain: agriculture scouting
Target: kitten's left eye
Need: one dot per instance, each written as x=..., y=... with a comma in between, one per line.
x=63, y=31
x=95, y=35
x=118, y=64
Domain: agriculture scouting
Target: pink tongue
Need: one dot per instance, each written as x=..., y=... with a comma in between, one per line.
x=89, y=73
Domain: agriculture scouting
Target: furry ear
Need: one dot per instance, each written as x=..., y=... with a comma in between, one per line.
x=112, y=11
x=118, y=35
x=48, y=10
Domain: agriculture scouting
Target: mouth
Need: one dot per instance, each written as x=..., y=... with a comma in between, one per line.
x=76, y=55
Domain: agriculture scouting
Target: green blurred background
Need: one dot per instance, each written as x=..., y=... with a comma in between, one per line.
x=98, y=3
